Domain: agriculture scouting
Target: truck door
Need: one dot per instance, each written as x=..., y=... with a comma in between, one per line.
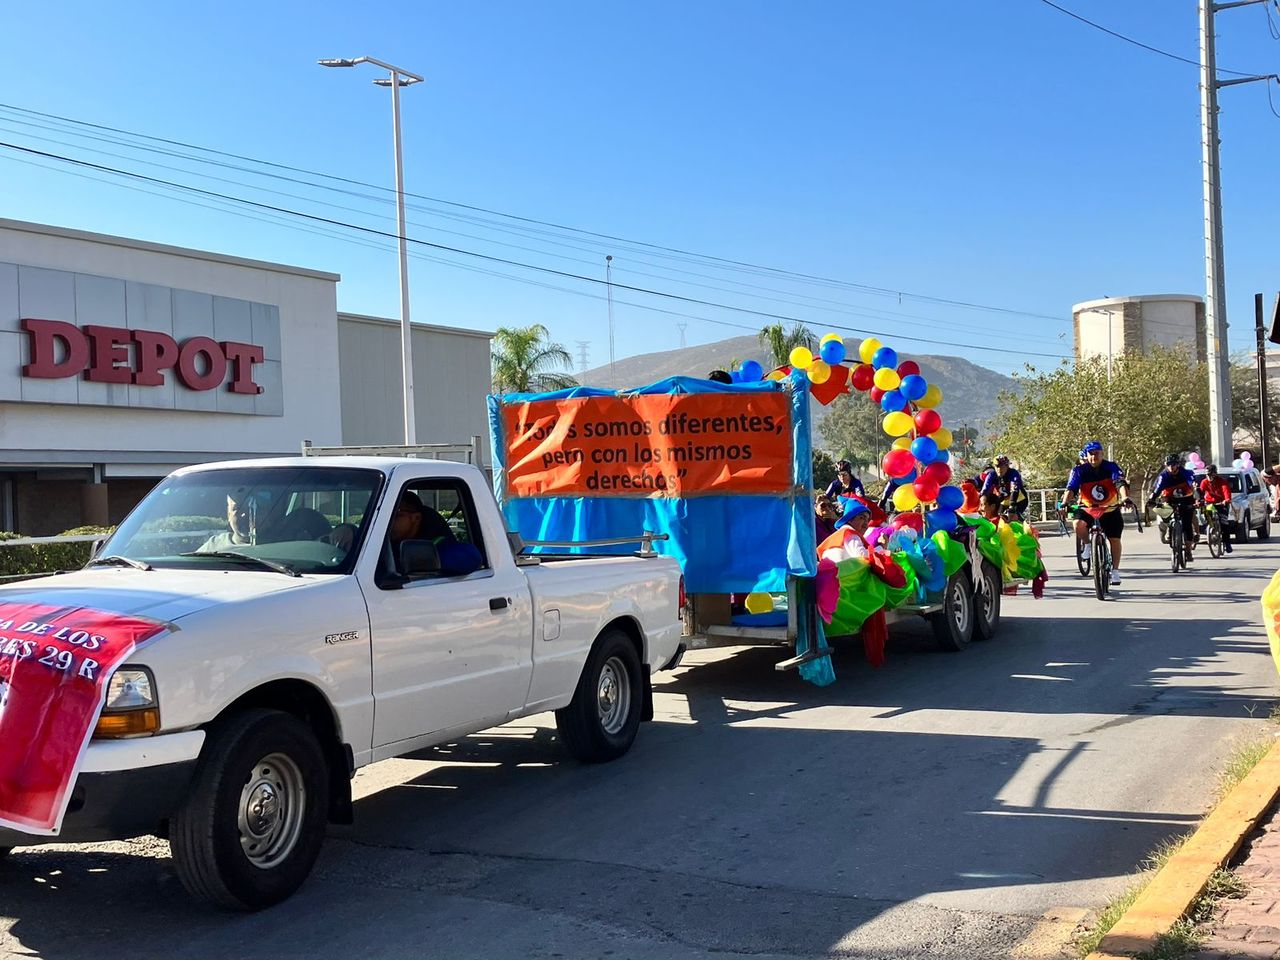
x=449, y=649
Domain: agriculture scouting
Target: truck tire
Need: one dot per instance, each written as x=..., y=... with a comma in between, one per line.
x=1242, y=533
x=250, y=829
x=953, y=624
x=601, y=721
x=986, y=602
x=1264, y=531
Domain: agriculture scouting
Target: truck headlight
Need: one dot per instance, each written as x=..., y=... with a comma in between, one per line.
x=131, y=708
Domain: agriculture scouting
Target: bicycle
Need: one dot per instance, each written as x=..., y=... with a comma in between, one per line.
x=1177, y=535
x=1094, y=552
x=1212, y=525
x=1083, y=561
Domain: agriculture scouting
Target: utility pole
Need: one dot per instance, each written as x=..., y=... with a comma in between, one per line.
x=608, y=282
x=682, y=327
x=583, y=347
x=1215, y=300
x=1264, y=420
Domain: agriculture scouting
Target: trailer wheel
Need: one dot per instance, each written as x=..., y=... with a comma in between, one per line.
x=953, y=624
x=986, y=601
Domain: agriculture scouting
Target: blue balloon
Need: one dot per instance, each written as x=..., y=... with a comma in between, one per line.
x=892, y=401
x=925, y=449
x=751, y=371
x=832, y=352
x=942, y=456
x=913, y=386
x=735, y=376
x=909, y=478
x=885, y=357
x=936, y=520
x=950, y=498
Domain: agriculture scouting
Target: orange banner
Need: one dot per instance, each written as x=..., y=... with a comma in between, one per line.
x=653, y=445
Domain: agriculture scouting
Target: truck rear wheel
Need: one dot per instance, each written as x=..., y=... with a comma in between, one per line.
x=953, y=624
x=601, y=721
x=251, y=827
x=986, y=601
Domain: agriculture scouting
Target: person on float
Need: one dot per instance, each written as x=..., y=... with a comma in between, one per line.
x=825, y=516
x=849, y=540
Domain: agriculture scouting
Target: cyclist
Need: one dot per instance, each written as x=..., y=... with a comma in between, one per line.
x=1215, y=494
x=1006, y=483
x=1098, y=482
x=1176, y=485
x=847, y=483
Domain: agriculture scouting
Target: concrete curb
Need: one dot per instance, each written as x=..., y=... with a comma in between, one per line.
x=1182, y=879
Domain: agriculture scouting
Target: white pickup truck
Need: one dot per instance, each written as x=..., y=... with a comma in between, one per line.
x=324, y=614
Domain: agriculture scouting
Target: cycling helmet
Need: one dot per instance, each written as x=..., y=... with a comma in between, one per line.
x=1173, y=460
x=1001, y=461
x=1090, y=447
x=844, y=466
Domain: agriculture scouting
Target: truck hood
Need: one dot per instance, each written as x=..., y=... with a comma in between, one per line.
x=163, y=595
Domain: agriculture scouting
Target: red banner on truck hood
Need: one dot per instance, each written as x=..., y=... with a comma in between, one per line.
x=55, y=667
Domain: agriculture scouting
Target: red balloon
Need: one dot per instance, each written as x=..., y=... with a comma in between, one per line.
x=909, y=519
x=863, y=377
x=938, y=472
x=898, y=463
x=926, y=489
x=927, y=421
x=908, y=367
x=875, y=394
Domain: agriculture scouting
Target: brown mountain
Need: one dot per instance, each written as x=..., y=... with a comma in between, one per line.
x=969, y=390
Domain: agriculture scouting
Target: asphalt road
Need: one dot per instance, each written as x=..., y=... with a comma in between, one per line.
x=940, y=806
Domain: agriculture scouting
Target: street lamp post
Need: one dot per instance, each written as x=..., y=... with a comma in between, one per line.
x=399, y=78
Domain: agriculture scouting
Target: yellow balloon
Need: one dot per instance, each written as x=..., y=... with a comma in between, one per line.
x=887, y=378
x=897, y=423
x=775, y=375
x=801, y=357
x=932, y=397
x=828, y=338
x=819, y=371
x=868, y=347
x=942, y=437
x=904, y=498
x=759, y=603
x=902, y=443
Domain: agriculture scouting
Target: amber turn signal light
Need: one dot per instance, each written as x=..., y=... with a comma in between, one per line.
x=128, y=724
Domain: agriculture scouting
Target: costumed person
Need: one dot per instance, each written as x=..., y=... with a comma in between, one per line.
x=972, y=497
x=849, y=540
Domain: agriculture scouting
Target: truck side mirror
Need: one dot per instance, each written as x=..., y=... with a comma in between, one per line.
x=95, y=547
x=419, y=558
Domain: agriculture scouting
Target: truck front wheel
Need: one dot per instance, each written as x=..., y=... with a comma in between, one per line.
x=601, y=721
x=251, y=827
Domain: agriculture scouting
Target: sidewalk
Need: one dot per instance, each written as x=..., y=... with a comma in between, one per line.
x=1250, y=926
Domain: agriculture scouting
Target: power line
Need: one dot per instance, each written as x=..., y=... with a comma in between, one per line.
x=658, y=249
x=1136, y=43
x=483, y=256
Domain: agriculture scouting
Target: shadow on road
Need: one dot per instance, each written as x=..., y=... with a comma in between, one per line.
x=919, y=807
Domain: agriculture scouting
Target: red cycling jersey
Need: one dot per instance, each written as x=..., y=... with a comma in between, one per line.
x=1215, y=491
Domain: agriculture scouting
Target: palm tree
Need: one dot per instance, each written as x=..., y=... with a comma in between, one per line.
x=525, y=360
x=780, y=341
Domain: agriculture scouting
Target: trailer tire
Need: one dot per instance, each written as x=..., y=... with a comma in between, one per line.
x=601, y=721
x=986, y=602
x=953, y=624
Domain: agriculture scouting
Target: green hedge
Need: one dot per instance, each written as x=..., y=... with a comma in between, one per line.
x=27, y=559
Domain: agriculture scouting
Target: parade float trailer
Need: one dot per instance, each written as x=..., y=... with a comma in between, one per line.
x=721, y=475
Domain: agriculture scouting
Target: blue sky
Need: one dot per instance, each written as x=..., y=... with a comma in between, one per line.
x=1001, y=154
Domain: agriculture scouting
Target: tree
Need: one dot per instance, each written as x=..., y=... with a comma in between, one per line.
x=852, y=430
x=824, y=470
x=1245, y=407
x=525, y=360
x=1151, y=405
x=780, y=341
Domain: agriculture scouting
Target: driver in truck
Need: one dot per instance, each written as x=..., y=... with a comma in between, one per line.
x=244, y=525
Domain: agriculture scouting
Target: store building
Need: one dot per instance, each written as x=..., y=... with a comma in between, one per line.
x=121, y=360
x=1118, y=325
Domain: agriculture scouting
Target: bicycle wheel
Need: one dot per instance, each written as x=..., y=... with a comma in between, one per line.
x=1175, y=542
x=1083, y=550
x=1213, y=533
x=1101, y=566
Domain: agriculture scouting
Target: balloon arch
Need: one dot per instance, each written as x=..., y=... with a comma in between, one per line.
x=918, y=463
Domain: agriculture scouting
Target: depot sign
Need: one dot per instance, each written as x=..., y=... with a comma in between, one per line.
x=142, y=357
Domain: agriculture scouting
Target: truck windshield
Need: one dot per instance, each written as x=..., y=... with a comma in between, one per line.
x=301, y=519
